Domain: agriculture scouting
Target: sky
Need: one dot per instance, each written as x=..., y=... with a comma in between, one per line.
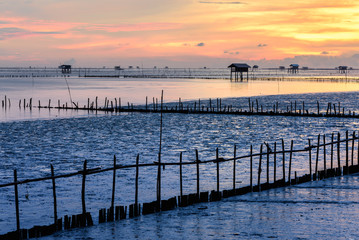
x=179, y=33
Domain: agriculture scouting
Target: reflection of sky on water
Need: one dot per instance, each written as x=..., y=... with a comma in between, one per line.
x=135, y=91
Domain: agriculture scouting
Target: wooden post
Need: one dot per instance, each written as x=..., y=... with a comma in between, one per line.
x=318, y=108
x=146, y=102
x=17, y=205
x=267, y=163
x=353, y=148
x=275, y=162
x=54, y=195
x=159, y=158
x=217, y=161
x=260, y=169
x=197, y=164
x=347, y=151
x=251, y=168
x=317, y=159
x=332, y=151
x=249, y=104
x=338, y=154
x=290, y=161
x=113, y=183
x=310, y=159
x=83, y=188
x=234, y=167
x=325, y=156
x=283, y=160
x=181, y=186
x=136, y=191
x=96, y=102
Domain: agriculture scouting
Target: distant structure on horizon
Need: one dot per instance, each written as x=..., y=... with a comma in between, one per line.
x=293, y=68
x=239, y=68
x=255, y=68
x=343, y=69
x=65, y=68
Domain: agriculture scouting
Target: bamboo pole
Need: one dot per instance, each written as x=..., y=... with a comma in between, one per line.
x=338, y=154
x=17, y=205
x=113, y=182
x=181, y=185
x=290, y=161
x=251, y=168
x=275, y=163
x=234, y=167
x=283, y=160
x=136, y=191
x=310, y=159
x=325, y=156
x=83, y=188
x=260, y=168
x=317, y=159
x=197, y=165
x=217, y=163
x=54, y=195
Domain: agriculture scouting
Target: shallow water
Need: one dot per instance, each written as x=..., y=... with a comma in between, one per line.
x=32, y=140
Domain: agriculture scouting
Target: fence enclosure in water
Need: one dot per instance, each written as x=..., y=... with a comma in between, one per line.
x=325, y=155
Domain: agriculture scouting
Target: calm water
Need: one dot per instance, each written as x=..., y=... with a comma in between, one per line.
x=32, y=140
x=136, y=90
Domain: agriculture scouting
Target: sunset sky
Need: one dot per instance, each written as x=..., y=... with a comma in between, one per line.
x=179, y=33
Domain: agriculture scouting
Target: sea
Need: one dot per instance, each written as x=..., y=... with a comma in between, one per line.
x=32, y=139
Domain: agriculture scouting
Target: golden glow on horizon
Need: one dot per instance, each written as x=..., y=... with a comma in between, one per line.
x=250, y=31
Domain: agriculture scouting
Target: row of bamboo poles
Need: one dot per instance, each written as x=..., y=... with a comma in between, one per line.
x=266, y=153
x=211, y=106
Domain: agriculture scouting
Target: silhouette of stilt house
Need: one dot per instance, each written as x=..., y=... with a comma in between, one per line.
x=65, y=68
x=293, y=68
x=238, y=69
x=343, y=69
x=255, y=68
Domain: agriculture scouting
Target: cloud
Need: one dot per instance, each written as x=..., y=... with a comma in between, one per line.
x=149, y=26
x=221, y=2
x=262, y=45
x=324, y=53
x=200, y=44
x=231, y=53
x=14, y=32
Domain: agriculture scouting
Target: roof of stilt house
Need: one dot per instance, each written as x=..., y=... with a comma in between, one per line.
x=239, y=67
x=294, y=65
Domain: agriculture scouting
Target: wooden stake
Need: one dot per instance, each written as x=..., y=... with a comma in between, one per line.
x=260, y=168
x=347, y=151
x=136, y=192
x=338, y=153
x=83, y=188
x=283, y=160
x=275, y=162
x=310, y=159
x=251, y=168
x=325, y=156
x=268, y=163
x=54, y=195
x=217, y=163
x=290, y=161
x=197, y=164
x=17, y=205
x=234, y=167
x=353, y=148
x=317, y=159
x=332, y=151
x=113, y=182
x=181, y=186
